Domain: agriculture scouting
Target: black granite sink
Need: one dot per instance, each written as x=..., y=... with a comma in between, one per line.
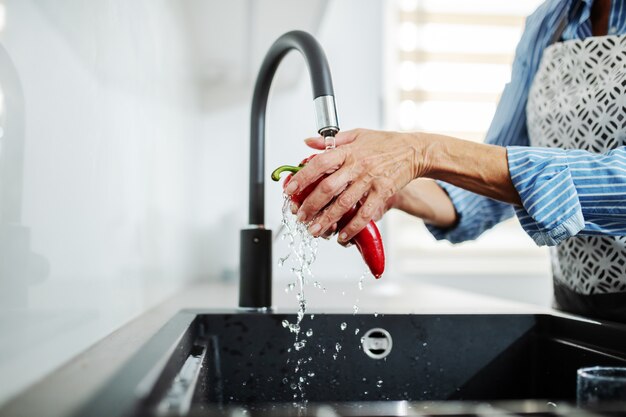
x=204, y=363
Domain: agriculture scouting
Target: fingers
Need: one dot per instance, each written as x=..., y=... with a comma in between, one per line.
x=330, y=231
x=363, y=216
x=335, y=211
x=315, y=143
x=341, y=138
x=324, y=163
x=323, y=194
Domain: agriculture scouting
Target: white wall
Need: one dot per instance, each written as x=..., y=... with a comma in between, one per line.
x=353, y=45
x=116, y=185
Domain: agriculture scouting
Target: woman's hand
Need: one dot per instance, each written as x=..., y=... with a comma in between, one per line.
x=367, y=166
x=373, y=167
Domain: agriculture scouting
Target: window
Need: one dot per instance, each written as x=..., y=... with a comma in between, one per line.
x=447, y=62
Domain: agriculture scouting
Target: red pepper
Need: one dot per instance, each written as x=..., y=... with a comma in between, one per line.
x=368, y=241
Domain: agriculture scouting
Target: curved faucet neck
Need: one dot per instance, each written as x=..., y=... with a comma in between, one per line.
x=323, y=96
x=255, y=266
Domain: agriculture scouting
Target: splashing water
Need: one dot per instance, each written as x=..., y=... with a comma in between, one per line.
x=282, y=260
x=303, y=251
x=302, y=254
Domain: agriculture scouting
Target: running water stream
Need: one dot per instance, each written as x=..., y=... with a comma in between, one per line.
x=302, y=254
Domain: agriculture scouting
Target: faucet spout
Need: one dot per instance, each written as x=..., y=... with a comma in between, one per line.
x=255, y=286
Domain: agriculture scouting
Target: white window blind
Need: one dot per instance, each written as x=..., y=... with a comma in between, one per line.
x=447, y=62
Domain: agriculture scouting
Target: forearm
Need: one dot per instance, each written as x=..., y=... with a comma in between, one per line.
x=476, y=167
x=371, y=167
x=425, y=199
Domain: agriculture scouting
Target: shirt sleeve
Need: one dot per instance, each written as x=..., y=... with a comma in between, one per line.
x=476, y=213
x=569, y=192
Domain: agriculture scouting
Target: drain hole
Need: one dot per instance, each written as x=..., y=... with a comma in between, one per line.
x=377, y=343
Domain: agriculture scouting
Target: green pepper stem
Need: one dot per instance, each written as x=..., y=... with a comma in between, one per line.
x=289, y=168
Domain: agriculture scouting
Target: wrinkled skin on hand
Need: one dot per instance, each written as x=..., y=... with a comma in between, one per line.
x=367, y=166
x=368, y=241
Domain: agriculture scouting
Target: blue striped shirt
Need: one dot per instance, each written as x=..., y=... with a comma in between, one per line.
x=563, y=192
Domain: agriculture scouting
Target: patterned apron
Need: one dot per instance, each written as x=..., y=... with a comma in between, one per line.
x=578, y=101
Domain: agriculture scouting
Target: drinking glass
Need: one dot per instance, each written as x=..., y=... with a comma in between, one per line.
x=600, y=384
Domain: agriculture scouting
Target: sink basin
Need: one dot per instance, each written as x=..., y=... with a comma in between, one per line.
x=205, y=363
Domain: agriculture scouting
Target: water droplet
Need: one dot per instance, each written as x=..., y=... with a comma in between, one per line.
x=375, y=314
x=285, y=323
x=379, y=383
x=356, y=331
x=343, y=326
x=311, y=374
x=285, y=380
x=290, y=287
x=334, y=356
x=293, y=386
x=244, y=383
x=309, y=333
x=355, y=309
x=317, y=284
x=301, y=379
x=282, y=260
x=551, y=404
x=424, y=344
x=343, y=293
x=364, y=379
x=299, y=345
x=337, y=347
x=312, y=316
x=365, y=392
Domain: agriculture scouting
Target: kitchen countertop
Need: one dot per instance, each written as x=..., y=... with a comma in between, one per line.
x=64, y=390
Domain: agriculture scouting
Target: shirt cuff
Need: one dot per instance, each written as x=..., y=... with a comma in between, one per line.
x=468, y=225
x=551, y=211
x=440, y=233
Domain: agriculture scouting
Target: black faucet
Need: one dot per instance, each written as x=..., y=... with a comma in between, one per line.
x=255, y=262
